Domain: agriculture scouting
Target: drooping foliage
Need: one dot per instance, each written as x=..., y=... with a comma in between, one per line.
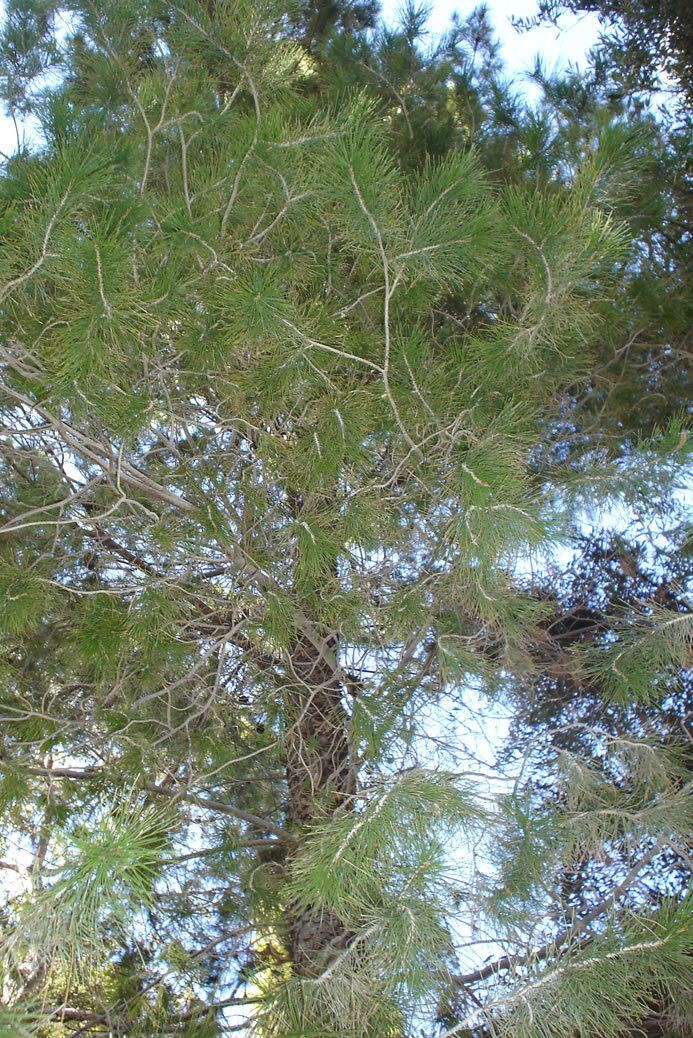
x=312, y=339
x=606, y=719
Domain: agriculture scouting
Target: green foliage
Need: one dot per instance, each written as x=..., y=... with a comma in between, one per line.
x=108, y=871
x=365, y=843
x=302, y=1010
x=25, y=596
x=524, y=845
x=650, y=645
x=454, y=232
x=314, y=342
x=17, y=1023
x=614, y=976
x=358, y=176
x=101, y=632
x=28, y=47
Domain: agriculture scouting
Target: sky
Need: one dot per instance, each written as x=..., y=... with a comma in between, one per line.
x=569, y=45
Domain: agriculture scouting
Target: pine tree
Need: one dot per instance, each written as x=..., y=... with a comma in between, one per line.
x=285, y=376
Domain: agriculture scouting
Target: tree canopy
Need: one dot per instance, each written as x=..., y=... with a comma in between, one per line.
x=318, y=343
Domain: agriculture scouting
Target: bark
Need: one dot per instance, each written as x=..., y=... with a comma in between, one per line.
x=320, y=778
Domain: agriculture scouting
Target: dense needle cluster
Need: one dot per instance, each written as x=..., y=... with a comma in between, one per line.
x=313, y=340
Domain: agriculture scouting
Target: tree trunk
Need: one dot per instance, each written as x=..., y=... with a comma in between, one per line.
x=320, y=777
